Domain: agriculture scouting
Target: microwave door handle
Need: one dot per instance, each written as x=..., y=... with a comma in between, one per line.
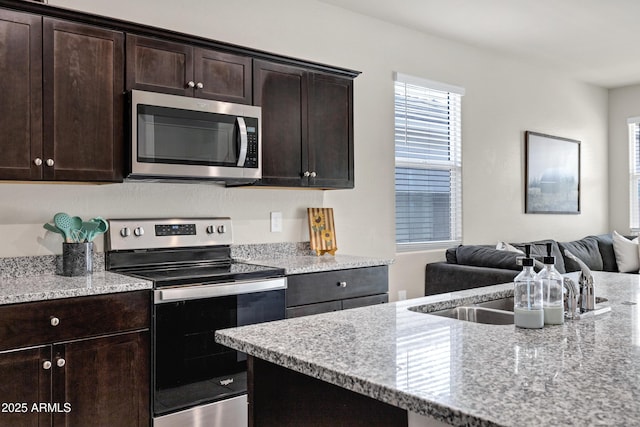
x=242, y=155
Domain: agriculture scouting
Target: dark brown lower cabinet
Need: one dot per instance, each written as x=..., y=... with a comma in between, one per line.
x=280, y=397
x=100, y=379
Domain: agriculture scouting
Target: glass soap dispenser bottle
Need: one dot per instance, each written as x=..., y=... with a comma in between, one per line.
x=528, y=311
x=552, y=302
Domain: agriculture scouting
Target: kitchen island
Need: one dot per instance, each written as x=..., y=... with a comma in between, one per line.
x=434, y=370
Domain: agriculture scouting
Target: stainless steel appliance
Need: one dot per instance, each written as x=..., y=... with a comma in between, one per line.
x=181, y=138
x=198, y=289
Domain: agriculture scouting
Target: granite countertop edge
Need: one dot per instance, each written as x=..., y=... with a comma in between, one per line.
x=49, y=287
x=303, y=264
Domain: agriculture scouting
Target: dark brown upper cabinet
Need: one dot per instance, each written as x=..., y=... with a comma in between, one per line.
x=61, y=86
x=307, y=126
x=180, y=69
x=21, y=95
x=83, y=102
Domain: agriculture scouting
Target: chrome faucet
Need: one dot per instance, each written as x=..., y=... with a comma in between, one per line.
x=570, y=299
x=587, y=296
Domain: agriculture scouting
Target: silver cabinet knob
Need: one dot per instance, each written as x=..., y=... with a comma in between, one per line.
x=139, y=231
x=312, y=174
x=60, y=362
x=306, y=174
x=125, y=232
x=191, y=83
x=55, y=321
x=37, y=161
x=46, y=364
x=222, y=229
x=50, y=162
x=342, y=284
x=199, y=85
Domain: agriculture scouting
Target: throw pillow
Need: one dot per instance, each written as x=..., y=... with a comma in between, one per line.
x=504, y=246
x=626, y=251
x=586, y=250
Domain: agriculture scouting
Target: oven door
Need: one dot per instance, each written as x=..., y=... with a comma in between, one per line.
x=190, y=368
x=180, y=137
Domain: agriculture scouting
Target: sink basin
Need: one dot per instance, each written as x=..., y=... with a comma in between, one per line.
x=478, y=315
x=498, y=311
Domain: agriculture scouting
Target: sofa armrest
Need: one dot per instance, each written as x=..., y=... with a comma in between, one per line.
x=441, y=277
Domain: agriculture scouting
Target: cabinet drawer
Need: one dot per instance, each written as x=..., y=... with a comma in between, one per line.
x=365, y=301
x=306, y=310
x=28, y=324
x=336, y=285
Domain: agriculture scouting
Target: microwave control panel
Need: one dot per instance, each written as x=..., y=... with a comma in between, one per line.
x=252, y=143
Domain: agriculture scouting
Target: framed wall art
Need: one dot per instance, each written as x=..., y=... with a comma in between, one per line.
x=552, y=181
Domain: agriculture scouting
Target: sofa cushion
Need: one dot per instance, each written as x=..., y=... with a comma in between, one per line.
x=586, y=250
x=483, y=256
x=450, y=256
x=539, y=250
x=605, y=245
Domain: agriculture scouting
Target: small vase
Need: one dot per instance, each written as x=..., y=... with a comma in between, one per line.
x=77, y=259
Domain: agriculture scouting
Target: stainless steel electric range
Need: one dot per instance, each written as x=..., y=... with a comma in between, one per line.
x=198, y=289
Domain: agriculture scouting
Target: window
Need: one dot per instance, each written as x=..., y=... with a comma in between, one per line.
x=428, y=163
x=634, y=173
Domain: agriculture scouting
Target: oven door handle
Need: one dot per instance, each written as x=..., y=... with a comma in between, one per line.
x=218, y=290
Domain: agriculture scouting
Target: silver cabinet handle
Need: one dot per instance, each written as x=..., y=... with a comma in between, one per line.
x=342, y=284
x=60, y=362
x=199, y=85
x=312, y=174
x=50, y=162
x=191, y=83
x=46, y=365
x=306, y=174
x=37, y=161
x=55, y=321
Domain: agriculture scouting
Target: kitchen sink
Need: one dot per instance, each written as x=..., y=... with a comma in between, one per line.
x=476, y=314
x=496, y=312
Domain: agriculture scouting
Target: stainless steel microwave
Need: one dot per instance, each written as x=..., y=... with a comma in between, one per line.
x=182, y=138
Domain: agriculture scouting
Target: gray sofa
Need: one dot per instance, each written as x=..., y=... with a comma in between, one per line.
x=472, y=266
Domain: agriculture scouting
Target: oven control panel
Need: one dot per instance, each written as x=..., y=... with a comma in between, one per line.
x=131, y=234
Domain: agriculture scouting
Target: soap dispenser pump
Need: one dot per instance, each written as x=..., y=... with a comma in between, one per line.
x=528, y=310
x=552, y=301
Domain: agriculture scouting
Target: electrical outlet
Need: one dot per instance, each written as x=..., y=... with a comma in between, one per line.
x=276, y=222
x=402, y=295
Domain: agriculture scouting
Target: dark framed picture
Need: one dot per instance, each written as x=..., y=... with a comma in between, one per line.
x=552, y=182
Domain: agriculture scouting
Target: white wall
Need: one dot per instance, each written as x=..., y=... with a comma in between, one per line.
x=623, y=103
x=503, y=99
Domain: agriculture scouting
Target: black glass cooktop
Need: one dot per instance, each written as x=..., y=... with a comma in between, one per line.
x=204, y=274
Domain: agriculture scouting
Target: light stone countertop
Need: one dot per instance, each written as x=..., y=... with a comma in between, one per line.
x=45, y=287
x=585, y=372
x=301, y=264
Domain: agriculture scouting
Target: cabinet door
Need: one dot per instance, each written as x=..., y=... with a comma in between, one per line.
x=105, y=380
x=224, y=77
x=331, y=131
x=159, y=66
x=83, y=102
x=25, y=381
x=21, y=95
x=281, y=91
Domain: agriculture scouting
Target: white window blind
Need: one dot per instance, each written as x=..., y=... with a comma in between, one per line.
x=428, y=163
x=634, y=173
